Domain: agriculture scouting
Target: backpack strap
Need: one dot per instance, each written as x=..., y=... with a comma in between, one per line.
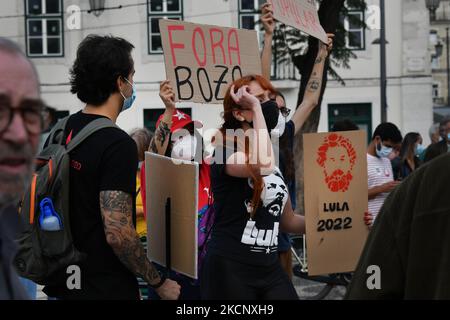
x=58, y=129
x=91, y=128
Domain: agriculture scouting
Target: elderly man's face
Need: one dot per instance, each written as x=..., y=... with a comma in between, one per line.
x=18, y=90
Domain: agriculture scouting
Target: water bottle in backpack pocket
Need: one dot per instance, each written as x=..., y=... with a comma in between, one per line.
x=49, y=219
x=45, y=247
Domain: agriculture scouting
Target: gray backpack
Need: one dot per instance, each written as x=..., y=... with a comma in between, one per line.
x=43, y=254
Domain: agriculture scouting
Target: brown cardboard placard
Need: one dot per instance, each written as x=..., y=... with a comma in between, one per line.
x=300, y=14
x=335, y=179
x=164, y=179
x=202, y=60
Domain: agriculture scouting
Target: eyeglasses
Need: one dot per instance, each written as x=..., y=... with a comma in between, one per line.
x=29, y=109
x=285, y=112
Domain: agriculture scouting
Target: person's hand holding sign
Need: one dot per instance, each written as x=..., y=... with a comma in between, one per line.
x=368, y=219
x=160, y=141
x=267, y=19
x=325, y=48
x=268, y=23
x=167, y=95
x=169, y=290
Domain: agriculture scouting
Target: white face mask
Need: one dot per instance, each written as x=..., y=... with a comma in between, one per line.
x=184, y=148
x=280, y=127
x=384, y=151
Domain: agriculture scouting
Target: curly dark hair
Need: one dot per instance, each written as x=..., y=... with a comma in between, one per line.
x=100, y=61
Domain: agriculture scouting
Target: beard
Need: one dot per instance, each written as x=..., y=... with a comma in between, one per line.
x=12, y=186
x=276, y=206
x=338, y=180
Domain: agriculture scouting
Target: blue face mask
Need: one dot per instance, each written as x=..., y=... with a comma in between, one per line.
x=383, y=151
x=128, y=102
x=448, y=137
x=419, y=150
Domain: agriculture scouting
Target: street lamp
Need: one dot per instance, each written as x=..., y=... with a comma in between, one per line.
x=383, y=78
x=448, y=66
x=97, y=7
x=432, y=5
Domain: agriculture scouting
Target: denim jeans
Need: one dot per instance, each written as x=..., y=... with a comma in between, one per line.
x=30, y=287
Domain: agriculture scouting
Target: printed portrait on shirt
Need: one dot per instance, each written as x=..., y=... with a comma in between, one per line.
x=273, y=196
x=337, y=158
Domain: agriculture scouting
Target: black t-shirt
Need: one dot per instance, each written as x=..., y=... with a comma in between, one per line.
x=235, y=235
x=107, y=160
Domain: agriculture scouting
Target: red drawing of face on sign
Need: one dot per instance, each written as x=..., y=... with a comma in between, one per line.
x=337, y=157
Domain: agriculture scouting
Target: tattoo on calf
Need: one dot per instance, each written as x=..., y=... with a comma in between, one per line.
x=116, y=208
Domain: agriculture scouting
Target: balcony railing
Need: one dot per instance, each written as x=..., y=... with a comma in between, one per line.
x=283, y=69
x=439, y=101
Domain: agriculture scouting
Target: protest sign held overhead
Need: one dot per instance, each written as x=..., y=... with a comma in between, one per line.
x=202, y=60
x=300, y=14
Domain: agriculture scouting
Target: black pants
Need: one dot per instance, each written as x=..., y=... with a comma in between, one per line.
x=226, y=279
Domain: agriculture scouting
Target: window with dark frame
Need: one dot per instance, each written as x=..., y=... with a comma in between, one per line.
x=161, y=9
x=355, y=37
x=44, y=28
x=249, y=14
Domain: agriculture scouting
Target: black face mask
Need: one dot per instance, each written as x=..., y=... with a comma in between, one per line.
x=271, y=113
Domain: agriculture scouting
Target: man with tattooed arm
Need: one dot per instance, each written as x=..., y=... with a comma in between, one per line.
x=103, y=180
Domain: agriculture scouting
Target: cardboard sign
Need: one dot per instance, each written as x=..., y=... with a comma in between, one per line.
x=300, y=14
x=336, y=199
x=179, y=182
x=201, y=61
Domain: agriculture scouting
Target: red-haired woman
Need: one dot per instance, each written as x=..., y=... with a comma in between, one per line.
x=251, y=200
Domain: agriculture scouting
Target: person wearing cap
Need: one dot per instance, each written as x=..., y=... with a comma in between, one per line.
x=176, y=137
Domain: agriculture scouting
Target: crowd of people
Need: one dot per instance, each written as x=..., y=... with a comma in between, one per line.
x=250, y=191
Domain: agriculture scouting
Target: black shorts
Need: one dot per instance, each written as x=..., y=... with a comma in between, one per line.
x=227, y=279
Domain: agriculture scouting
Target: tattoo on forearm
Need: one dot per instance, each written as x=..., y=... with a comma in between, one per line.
x=164, y=132
x=116, y=208
x=161, y=134
x=319, y=60
x=313, y=84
